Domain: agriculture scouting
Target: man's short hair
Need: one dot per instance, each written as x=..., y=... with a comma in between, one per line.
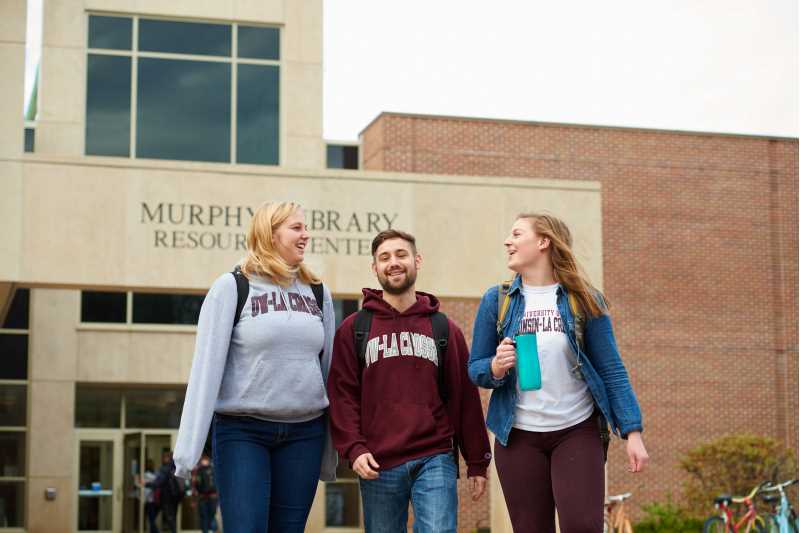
x=388, y=234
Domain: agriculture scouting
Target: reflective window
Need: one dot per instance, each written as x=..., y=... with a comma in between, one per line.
x=30, y=140
x=259, y=43
x=13, y=405
x=17, y=316
x=183, y=110
x=343, y=309
x=182, y=99
x=184, y=37
x=153, y=408
x=342, y=156
x=97, y=407
x=13, y=356
x=12, y=503
x=12, y=454
x=257, y=115
x=110, y=32
x=103, y=306
x=108, y=105
x=166, y=308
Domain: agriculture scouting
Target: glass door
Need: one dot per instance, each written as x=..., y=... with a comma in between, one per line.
x=133, y=484
x=96, y=487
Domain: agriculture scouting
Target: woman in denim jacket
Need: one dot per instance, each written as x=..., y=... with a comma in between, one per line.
x=548, y=451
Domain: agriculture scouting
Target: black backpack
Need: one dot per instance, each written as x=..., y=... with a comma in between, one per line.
x=172, y=489
x=243, y=289
x=205, y=480
x=441, y=332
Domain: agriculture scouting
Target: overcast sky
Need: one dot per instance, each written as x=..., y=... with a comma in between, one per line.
x=702, y=65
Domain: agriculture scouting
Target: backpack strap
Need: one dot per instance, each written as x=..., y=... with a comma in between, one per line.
x=579, y=317
x=316, y=288
x=441, y=332
x=242, y=290
x=503, y=302
x=361, y=327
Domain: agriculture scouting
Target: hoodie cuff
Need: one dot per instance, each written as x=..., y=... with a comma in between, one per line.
x=183, y=473
x=476, y=470
x=355, y=452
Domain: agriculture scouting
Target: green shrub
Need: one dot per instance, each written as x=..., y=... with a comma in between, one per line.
x=667, y=518
x=734, y=464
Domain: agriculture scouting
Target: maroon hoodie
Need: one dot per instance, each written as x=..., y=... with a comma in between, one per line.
x=392, y=408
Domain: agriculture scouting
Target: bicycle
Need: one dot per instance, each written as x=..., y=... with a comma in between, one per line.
x=783, y=518
x=725, y=523
x=616, y=521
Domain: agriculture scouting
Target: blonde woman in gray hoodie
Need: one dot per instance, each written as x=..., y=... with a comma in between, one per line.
x=258, y=379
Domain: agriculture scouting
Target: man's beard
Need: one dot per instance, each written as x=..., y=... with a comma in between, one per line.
x=410, y=280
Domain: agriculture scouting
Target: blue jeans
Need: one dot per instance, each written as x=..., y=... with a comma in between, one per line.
x=430, y=484
x=207, y=510
x=267, y=472
x=151, y=510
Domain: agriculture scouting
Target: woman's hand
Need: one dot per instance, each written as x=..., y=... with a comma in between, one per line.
x=637, y=455
x=504, y=358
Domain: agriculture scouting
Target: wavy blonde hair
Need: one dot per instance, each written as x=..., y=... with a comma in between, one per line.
x=262, y=258
x=566, y=269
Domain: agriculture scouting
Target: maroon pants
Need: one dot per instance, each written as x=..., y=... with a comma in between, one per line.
x=563, y=470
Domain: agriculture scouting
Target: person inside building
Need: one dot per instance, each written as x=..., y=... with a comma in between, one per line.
x=551, y=440
x=262, y=354
x=151, y=507
x=402, y=405
x=204, y=493
x=169, y=491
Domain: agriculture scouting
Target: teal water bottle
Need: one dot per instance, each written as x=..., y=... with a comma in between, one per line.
x=530, y=375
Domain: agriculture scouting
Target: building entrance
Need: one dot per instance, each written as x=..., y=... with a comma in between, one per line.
x=113, y=467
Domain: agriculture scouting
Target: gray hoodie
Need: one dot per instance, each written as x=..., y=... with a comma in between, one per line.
x=267, y=367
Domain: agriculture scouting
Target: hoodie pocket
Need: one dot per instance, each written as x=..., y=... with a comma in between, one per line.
x=396, y=426
x=285, y=388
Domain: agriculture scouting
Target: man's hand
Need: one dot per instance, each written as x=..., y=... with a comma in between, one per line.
x=366, y=466
x=477, y=486
x=637, y=455
x=504, y=358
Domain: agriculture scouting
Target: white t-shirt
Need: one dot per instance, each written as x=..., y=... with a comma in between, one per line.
x=564, y=400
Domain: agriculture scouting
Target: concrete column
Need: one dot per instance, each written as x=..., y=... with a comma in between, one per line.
x=52, y=358
x=12, y=77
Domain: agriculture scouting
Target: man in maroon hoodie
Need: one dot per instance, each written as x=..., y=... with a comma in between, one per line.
x=390, y=417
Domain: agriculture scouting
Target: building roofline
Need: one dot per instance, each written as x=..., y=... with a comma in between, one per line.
x=570, y=125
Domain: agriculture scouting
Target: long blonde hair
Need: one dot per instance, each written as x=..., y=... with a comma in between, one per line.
x=566, y=269
x=262, y=258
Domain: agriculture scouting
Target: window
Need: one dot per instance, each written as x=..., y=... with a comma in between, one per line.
x=17, y=315
x=98, y=407
x=14, y=356
x=30, y=139
x=125, y=407
x=342, y=156
x=166, y=308
x=145, y=308
x=103, y=306
x=153, y=408
x=343, y=308
x=192, y=91
x=13, y=407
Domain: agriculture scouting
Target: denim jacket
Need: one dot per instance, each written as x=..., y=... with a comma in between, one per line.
x=600, y=363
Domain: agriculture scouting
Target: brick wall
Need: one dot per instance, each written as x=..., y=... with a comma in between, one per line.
x=700, y=262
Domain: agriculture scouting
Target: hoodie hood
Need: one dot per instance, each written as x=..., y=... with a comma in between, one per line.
x=426, y=304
